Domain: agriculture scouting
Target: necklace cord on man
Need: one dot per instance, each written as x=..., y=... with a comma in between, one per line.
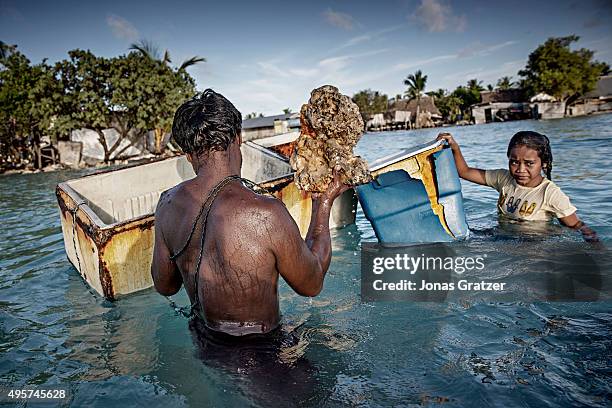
x=205, y=209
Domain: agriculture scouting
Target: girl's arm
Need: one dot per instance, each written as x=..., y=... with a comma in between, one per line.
x=573, y=222
x=465, y=172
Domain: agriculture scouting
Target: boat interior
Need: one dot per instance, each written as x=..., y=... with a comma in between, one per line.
x=122, y=195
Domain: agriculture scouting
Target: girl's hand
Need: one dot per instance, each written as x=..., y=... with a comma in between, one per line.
x=588, y=234
x=572, y=221
x=449, y=139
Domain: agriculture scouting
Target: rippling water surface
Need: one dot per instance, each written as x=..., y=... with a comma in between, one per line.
x=139, y=351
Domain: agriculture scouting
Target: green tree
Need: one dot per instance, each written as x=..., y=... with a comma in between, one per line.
x=475, y=85
x=151, y=51
x=130, y=93
x=20, y=121
x=438, y=93
x=504, y=83
x=416, y=86
x=370, y=103
x=287, y=111
x=555, y=69
x=449, y=105
x=468, y=95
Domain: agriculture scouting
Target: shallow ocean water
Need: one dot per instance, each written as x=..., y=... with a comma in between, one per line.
x=54, y=331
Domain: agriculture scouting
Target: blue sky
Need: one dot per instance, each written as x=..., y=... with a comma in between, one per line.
x=267, y=56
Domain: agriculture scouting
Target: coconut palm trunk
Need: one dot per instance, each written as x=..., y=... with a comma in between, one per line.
x=416, y=86
x=417, y=122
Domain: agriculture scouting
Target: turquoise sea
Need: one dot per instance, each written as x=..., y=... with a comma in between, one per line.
x=138, y=351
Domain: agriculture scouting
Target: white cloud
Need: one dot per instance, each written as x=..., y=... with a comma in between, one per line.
x=509, y=68
x=122, y=28
x=363, y=38
x=370, y=36
x=436, y=16
x=271, y=68
x=334, y=63
x=280, y=82
x=304, y=72
x=479, y=49
x=340, y=20
x=414, y=64
x=341, y=61
x=357, y=40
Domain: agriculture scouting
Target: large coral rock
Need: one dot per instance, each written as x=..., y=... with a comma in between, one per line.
x=331, y=127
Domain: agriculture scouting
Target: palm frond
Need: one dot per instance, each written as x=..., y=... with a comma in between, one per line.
x=147, y=48
x=416, y=84
x=3, y=50
x=191, y=61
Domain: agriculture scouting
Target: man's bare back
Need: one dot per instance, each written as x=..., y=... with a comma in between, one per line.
x=249, y=240
x=238, y=280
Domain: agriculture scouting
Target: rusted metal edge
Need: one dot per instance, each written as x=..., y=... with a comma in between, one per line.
x=99, y=236
x=277, y=184
x=129, y=166
x=89, y=229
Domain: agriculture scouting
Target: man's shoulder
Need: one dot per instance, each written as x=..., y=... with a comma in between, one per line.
x=249, y=206
x=166, y=198
x=253, y=201
x=171, y=200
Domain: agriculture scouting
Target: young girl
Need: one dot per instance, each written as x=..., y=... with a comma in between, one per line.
x=523, y=193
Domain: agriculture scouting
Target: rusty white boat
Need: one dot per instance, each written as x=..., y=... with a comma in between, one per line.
x=108, y=218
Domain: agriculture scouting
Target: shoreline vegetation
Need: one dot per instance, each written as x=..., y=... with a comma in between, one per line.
x=136, y=94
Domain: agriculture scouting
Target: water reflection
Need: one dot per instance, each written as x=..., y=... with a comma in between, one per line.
x=472, y=352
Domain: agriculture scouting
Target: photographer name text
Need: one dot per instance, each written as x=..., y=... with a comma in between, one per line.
x=463, y=285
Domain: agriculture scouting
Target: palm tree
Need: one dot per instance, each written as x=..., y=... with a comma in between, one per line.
x=3, y=50
x=504, y=83
x=475, y=85
x=148, y=49
x=6, y=50
x=439, y=94
x=416, y=86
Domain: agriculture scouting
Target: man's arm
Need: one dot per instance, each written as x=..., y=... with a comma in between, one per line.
x=465, y=172
x=303, y=264
x=166, y=276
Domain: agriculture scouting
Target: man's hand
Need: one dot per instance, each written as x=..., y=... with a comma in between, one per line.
x=333, y=191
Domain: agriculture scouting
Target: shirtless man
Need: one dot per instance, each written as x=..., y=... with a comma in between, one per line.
x=249, y=239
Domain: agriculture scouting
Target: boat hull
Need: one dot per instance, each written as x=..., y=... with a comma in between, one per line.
x=109, y=234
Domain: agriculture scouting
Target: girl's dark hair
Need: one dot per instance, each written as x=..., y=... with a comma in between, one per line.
x=206, y=122
x=537, y=142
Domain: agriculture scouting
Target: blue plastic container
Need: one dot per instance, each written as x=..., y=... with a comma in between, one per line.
x=400, y=211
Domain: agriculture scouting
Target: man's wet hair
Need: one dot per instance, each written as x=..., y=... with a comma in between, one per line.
x=205, y=123
x=537, y=142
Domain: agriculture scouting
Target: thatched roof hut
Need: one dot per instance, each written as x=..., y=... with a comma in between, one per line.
x=603, y=88
x=426, y=104
x=503, y=95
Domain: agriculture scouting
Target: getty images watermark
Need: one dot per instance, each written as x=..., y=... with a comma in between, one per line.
x=503, y=272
